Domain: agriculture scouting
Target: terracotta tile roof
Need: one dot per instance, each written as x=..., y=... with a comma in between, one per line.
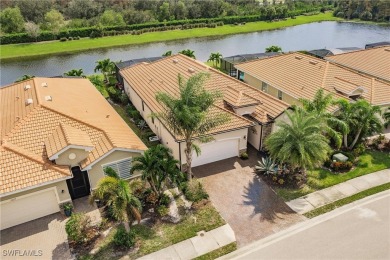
x=65, y=135
x=300, y=76
x=374, y=61
x=147, y=79
x=62, y=112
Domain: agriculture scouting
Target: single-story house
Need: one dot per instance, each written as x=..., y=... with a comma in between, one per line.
x=374, y=62
x=291, y=76
x=252, y=112
x=322, y=53
x=227, y=63
x=57, y=137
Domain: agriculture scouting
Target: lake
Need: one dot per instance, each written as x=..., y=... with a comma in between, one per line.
x=302, y=37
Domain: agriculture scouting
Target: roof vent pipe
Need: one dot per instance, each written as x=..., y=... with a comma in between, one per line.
x=29, y=101
x=44, y=84
x=27, y=87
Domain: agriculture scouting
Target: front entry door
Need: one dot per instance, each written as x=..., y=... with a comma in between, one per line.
x=79, y=185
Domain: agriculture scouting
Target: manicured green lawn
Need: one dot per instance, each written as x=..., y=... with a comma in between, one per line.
x=345, y=201
x=159, y=236
x=371, y=161
x=19, y=51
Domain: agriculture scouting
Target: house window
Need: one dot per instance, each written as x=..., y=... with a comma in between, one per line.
x=280, y=94
x=264, y=86
x=143, y=106
x=122, y=168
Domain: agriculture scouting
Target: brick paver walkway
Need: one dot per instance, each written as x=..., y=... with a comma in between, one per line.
x=322, y=197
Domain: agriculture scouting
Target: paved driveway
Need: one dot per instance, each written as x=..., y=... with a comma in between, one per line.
x=251, y=208
x=46, y=234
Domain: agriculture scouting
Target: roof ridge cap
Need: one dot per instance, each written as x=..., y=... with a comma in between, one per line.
x=37, y=93
x=27, y=154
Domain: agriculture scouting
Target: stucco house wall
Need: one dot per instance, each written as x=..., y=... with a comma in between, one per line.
x=63, y=158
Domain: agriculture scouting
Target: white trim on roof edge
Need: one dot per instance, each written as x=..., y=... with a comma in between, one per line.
x=89, y=167
x=35, y=186
x=85, y=148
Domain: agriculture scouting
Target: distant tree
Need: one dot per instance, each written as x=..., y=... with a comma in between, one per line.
x=32, y=30
x=24, y=77
x=168, y=53
x=83, y=9
x=34, y=11
x=75, y=73
x=11, y=20
x=164, y=12
x=54, y=21
x=180, y=11
x=273, y=48
x=270, y=13
x=112, y=18
x=189, y=53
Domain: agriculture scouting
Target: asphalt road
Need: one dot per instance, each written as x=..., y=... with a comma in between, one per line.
x=357, y=231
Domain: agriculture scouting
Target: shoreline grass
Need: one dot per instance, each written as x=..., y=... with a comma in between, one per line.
x=319, y=179
x=345, y=201
x=13, y=52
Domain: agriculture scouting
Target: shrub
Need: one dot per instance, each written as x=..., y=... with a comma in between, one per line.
x=194, y=191
x=63, y=39
x=151, y=197
x=70, y=38
x=165, y=200
x=342, y=166
x=162, y=210
x=266, y=166
x=340, y=14
x=77, y=227
x=123, y=239
x=135, y=115
x=359, y=150
x=114, y=94
x=124, y=99
x=244, y=156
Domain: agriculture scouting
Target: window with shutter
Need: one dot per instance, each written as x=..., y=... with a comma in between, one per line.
x=122, y=168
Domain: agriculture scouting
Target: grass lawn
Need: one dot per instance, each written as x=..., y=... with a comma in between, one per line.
x=159, y=236
x=342, y=202
x=369, y=162
x=21, y=51
x=219, y=252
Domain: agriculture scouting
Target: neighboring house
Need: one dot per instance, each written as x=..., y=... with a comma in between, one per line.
x=227, y=63
x=295, y=75
x=57, y=136
x=377, y=44
x=247, y=107
x=374, y=62
x=322, y=53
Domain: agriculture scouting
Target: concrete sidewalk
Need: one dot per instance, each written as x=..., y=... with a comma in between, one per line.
x=322, y=197
x=201, y=244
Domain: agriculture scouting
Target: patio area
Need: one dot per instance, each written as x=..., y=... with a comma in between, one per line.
x=251, y=208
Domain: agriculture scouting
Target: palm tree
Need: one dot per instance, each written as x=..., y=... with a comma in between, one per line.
x=319, y=107
x=75, y=73
x=187, y=115
x=211, y=57
x=386, y=117
x=299, y=143
x=363, y=119
x=106, y=66
x=24, y=77
x=188, y=53
x=157, y=166
x=117, y=194
x=273, y=48
x=215, y=58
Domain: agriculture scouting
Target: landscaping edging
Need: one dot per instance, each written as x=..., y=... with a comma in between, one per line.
x=326, y=196
x=199, y=245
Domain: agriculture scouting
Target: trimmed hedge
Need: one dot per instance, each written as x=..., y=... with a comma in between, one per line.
x=137, y=29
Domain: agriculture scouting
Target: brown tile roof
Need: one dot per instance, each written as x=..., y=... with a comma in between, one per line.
x=374, y=61
x=147, y=79
x=65, y=135
x=72, y=108
x=300, y=76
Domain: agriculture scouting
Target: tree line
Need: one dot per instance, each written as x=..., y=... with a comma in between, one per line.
x=54, y=15
x=368, y=10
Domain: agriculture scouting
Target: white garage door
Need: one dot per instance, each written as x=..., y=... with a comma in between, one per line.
x=30, y=207
x=216, y=151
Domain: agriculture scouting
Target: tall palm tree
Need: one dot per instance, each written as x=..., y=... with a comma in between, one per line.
x=187, y=115
x=168, y=53
x=215, y=57
x=363, y=119
x=106, y=67
x=299, y=143
x=75, y=73
x=386, y=117
x=117, y=194
x=157, y=166
x=189, y=53
x=319, y=107
x=211, y=57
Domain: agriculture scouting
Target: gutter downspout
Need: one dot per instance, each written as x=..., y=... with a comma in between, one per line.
x=261, y=138
x=180, y=156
